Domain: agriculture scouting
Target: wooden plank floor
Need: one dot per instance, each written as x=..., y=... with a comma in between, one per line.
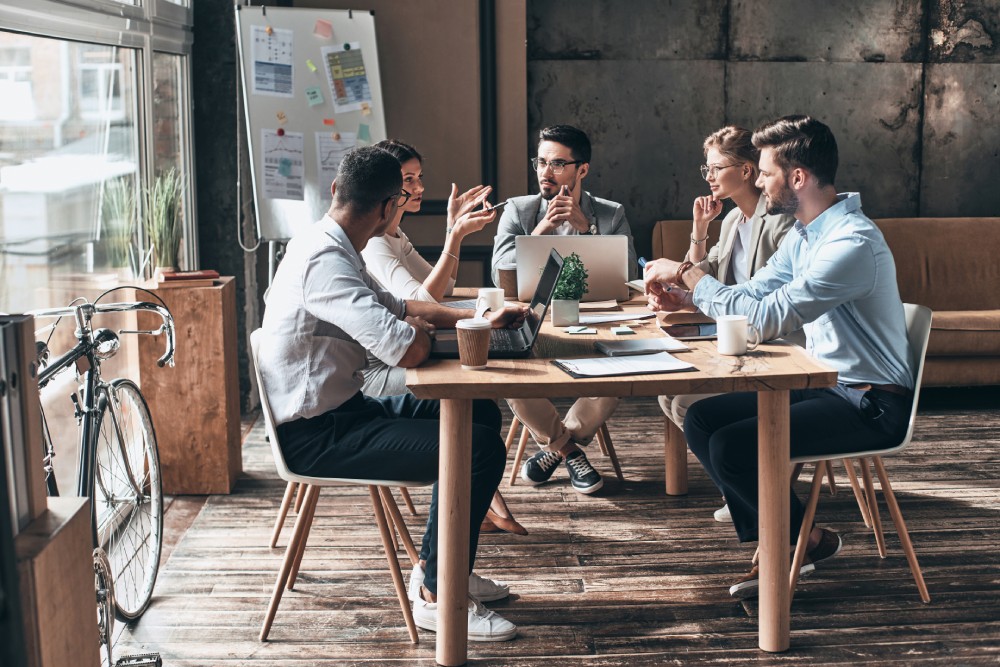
x=626, y=577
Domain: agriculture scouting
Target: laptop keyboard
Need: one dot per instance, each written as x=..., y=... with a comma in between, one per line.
x=506, y=340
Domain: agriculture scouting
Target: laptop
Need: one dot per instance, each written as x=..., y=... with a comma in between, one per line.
x=510, y=343
x=604, y=257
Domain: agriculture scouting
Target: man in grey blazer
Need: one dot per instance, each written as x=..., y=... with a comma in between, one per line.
x=562, y=207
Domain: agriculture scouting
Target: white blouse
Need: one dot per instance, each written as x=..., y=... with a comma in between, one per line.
x=396, y=265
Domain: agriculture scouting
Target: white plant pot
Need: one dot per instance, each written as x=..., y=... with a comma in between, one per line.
x=565, y=313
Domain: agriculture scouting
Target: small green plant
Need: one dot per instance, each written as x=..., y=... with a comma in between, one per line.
x=572, y=283
x=162, y=217
x=119, y=223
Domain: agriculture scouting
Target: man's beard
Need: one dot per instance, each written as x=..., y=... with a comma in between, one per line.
x=786, y=202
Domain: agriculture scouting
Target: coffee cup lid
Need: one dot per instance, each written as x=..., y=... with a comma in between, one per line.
x=474, y=323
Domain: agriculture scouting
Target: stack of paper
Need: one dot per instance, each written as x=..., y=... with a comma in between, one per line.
x=643, y=364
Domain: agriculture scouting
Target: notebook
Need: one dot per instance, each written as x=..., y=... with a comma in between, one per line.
x=604, y=257
x=510, y=343
x=621, y=348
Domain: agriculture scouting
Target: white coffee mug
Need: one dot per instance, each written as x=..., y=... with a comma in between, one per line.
x=733, y=334
x=491, y=298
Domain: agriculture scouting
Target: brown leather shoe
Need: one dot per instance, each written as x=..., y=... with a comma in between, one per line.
x=508, y=524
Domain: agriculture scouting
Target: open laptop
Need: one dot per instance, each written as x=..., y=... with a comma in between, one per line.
x=510, y=343
x=604, y=257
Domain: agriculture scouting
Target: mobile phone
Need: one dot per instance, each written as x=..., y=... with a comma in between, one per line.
x=691, y=331
x=496, y=207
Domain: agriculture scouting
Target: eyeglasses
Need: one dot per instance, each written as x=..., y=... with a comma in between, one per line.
x=401, y=198
x=557, y=166
x=713, y=170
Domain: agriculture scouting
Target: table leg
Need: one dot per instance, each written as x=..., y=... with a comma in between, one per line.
x=675, y=462
x=454, y=486
x=773, y=457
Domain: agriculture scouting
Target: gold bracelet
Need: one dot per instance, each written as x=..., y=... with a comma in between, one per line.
x=698, y=241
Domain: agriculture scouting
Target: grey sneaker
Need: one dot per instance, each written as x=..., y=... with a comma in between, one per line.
x=539, y=468
x=582, y=475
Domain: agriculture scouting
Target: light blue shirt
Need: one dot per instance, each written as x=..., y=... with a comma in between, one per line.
x=323, y=311
x=836, y=279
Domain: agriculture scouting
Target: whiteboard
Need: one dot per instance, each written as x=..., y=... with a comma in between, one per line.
x=311, y=91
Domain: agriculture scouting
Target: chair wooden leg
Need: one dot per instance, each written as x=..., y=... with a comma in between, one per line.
x=390, y=556
x=830, y=480
x=516, y=467
x=515, y=424
x=298, y=498
x=852, y=478
x=804, y=530
x=309, y=510
x=796, y=471
x=286, y=566
x=866, y=476
x=392, y=525
x=286, y=501
x=397, y=520
x=904, y=534
x=608, y=447
x=406, y=499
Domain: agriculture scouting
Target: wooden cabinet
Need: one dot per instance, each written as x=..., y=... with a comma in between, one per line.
x=56, y=583
x=196, y=404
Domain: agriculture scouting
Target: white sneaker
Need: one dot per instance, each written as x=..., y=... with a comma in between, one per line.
x=484, y=625
x=481, y=588
x=722, y=514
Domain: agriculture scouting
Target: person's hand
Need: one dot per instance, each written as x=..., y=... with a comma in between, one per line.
x=705, y=210
x=509, y=317
x=562, y=209
x=659, y=272
x=474, y=221
x=460, y=204
x=662, y=298
x=420, y=324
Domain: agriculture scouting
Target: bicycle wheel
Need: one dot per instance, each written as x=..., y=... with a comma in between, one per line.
x=127, y=500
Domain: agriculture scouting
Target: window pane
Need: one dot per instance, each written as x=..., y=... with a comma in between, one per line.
x=168, y=148
x=68, y=169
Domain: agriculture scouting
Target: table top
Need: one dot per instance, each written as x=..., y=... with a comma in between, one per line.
x=772, y=366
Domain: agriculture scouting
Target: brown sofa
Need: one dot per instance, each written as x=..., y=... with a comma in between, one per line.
x=950, y=265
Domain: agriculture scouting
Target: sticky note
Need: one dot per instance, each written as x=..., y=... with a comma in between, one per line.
x=285, y=167
x=329, y=121
x=315, y=95
x=364, y=133
x=365, y=109
x=310, y=65
x=323, y=28
x=621, y=331
x=282, y=118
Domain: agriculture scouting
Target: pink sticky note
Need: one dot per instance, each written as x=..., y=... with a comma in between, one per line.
x=323, y=29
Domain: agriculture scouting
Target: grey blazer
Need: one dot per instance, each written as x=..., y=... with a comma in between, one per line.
x=522, y=214
x=767, y=232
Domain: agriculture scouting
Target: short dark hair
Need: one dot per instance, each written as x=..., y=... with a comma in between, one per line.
x=367, y=177
x=567, y=135
x=800, y=141
x=402, y=151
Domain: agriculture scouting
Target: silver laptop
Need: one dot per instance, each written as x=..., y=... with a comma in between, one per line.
x=605, y=258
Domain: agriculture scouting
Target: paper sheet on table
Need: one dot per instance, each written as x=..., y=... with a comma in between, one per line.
x=638, y=285
x=641, y=364
x=619, y=348
x=604, y=318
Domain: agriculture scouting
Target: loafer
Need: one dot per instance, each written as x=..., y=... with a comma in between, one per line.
x=494, y=523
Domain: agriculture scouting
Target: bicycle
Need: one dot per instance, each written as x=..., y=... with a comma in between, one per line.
x=118, y=467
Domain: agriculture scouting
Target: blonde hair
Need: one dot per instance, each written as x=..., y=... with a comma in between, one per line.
x=734, y=143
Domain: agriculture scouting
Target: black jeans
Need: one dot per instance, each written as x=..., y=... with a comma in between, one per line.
x=722, y=433
x=397, y=437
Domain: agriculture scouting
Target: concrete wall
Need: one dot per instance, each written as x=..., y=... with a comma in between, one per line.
x=909, y=88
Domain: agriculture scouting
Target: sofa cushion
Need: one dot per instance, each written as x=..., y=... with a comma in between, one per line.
x=965, y=333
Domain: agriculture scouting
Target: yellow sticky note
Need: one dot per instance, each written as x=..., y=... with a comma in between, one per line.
x=365, y=109
x=309, y=64
x=282, y=118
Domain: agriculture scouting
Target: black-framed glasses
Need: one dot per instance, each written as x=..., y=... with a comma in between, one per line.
x=557, y=166
x=713, y=170
x=401, y=198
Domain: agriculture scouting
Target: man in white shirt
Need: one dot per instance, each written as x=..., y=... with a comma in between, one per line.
x=323, y=312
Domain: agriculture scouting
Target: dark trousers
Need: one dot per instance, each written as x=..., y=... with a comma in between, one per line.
x=722, y=433
x=397, y=437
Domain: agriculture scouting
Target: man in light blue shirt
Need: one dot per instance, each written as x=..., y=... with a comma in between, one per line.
x=835, y=278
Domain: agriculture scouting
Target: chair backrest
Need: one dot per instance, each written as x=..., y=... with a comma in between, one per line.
x=918, y=331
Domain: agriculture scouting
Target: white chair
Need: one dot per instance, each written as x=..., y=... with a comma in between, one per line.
x=918, y=327
x=381, y=500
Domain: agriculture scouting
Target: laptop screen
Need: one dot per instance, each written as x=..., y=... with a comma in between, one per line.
x=543, y=296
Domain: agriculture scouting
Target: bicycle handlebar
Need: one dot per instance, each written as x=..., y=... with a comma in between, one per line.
x=85, y=311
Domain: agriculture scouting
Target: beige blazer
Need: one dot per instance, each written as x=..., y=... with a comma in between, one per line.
x=767, y=232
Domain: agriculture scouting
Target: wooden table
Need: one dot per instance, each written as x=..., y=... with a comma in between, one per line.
x=772, y=370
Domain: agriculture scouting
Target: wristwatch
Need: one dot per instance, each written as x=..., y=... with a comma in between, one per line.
x=592, y=230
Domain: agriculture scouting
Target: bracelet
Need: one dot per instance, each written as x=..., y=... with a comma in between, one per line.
x=698, y=241
x=454, y=257
x=679, y=276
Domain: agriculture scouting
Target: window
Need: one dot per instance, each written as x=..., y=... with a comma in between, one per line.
x=90, y=114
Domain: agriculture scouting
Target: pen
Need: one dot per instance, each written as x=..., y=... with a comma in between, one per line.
x=642, y=262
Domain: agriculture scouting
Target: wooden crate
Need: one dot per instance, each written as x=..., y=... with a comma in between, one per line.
x=196, y=404
x=56, y=583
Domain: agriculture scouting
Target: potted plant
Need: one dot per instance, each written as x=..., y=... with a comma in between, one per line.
x=569, y=290
x=119, y=223
x=162, y=219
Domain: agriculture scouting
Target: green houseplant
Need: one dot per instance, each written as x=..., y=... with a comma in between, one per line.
x=570, y=288
x=162, y=218
x=119, y=223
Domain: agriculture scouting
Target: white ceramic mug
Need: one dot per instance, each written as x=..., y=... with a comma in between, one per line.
x=733, y=334
x=489, y=297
